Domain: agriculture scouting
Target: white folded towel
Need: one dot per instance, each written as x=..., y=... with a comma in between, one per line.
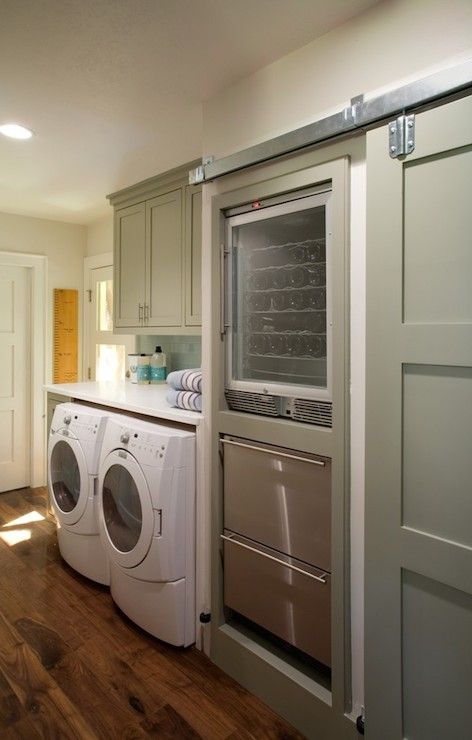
x=188, y=400
x=186, y=380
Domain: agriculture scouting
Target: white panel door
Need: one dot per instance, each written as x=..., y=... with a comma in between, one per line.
x=15, y=294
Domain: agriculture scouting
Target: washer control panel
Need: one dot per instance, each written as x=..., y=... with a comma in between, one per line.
x=150, y=444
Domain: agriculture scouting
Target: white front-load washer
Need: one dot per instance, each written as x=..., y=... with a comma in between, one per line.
x=146, y=489
x=74, y=446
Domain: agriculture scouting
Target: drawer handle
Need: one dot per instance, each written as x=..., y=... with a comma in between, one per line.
x=273, y=452
x=320, y=579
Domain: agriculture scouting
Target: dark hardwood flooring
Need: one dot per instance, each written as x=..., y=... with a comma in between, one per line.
x=72, y=666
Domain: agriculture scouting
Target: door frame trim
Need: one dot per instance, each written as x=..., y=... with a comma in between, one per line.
x=39, y=339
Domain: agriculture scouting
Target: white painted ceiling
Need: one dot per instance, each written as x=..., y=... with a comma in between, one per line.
x=113, y=88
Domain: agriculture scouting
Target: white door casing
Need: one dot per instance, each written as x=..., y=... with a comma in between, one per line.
x=15, y=332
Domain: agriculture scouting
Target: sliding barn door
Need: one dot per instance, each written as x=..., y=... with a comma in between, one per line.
x=419, y=432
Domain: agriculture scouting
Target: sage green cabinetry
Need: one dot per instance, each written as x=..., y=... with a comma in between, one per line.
x=164, y=260
x=129, y=265
x=157, y=255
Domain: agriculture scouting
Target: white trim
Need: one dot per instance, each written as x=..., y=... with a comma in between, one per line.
x=39, y=340
x=90, y=263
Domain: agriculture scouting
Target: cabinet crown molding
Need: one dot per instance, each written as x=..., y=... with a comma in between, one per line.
x=146, y=188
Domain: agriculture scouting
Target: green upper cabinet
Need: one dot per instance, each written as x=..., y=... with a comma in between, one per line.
x=164, y=260
x=157, y=255
x=129, y=265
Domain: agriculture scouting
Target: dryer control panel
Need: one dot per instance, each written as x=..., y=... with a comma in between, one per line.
x=79, y=421
x=151, y=444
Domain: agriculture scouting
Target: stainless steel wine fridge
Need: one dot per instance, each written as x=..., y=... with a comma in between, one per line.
x=276, y=272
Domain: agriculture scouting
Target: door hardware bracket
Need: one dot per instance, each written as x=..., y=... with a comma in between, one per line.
x=198, y=174
x=351, y=112
x=401, y=136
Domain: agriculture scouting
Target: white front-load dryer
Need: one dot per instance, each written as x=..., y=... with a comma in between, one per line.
x=146, y=489
x=74, y=447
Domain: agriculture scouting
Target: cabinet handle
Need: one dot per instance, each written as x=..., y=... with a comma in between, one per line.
x=140, y=313
x=273, y=452
x=223, y=322
x=320, y=579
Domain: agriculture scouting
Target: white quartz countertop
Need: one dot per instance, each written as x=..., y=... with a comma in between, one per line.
x=141, y=399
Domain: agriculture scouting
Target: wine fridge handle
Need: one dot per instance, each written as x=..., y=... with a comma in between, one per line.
x=299, y=458
x=223, y=323
x=320, y=579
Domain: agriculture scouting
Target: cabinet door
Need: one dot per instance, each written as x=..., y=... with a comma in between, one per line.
x=164, y=260
x=193, y=256
x=129, y=265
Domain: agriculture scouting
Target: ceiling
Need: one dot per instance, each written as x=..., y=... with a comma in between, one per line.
x=113, y=88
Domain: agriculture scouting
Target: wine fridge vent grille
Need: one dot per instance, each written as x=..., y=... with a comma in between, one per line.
x=313, y=412
x=253, y=403
x=298, y=409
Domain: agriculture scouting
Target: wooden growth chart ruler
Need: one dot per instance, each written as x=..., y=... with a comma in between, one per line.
x=65, y=350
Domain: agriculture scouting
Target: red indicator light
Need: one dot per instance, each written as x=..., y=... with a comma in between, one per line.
x=256, y=204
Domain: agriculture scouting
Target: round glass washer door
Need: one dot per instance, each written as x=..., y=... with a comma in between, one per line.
x=68, y=479
x=126, y=513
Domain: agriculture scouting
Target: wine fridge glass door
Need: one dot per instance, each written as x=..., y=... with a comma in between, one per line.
x=279, y=298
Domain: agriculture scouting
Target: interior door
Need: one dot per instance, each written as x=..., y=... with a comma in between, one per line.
x=15, y=293
x=418, y=618
x=164, y=260
x=107, y=351
x=130, y=265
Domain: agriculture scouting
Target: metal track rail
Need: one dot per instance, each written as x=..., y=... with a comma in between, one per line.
x=360, y=115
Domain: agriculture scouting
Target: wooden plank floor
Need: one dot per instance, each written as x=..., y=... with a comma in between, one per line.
x=72, y=666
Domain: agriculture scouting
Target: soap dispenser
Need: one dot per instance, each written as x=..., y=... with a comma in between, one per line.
x=158, y=366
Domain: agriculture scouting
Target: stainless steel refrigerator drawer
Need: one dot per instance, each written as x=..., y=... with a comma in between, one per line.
x=286, y=597
x=279, y=497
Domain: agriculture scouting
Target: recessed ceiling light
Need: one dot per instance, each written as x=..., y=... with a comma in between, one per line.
x=15, y=131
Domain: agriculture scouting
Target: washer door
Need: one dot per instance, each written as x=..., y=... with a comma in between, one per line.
x=126, y=513
x=67, y=478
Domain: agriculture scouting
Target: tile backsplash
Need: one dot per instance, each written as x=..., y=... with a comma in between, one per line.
x=181, y=352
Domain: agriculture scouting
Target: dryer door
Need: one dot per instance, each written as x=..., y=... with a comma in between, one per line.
x=126, y=513
x=68, y=478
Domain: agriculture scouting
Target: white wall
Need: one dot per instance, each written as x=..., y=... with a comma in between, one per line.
x=394, y=42
x=397, y=39
x=100, y=236
x=64, y=246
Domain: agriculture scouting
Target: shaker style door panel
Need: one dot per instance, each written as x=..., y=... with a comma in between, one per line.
x=129, y=265
x=193, y=256
x=418, y=606
x=164, y=260
x=15, y=404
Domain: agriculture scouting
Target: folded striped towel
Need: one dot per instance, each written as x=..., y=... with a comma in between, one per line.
x=188, y=400
x=186, y=380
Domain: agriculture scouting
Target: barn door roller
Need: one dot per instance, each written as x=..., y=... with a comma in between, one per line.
x=401, y=136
